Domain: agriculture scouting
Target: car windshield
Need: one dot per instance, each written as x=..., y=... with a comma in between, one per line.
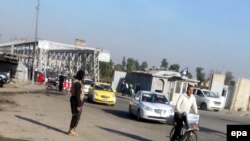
x=210, y=94
x=88, y=82
x=154, y=98
x=103, y=87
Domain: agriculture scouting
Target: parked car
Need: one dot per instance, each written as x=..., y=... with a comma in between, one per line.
x=101, y=93
x=207, y=100
x=5, y=77
x=151, y=105
x=86, y=85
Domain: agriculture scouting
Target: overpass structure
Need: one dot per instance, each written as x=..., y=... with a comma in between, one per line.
x=57, y=57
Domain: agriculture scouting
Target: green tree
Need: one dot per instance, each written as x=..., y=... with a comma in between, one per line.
x=164, y=63
x=228, y=78
x=137, y=65
x=124, y=63
x=200, y=75
x=118, y=67
x=131, y=65
x=144, y=65
x=174, y=67
x=106, y=71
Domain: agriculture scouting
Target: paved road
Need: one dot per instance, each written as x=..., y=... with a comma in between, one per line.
x=212, y=126
x=157, y=131
x=216, y=122
x=46, y=118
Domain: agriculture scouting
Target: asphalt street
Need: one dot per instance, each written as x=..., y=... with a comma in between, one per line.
x=213, y=125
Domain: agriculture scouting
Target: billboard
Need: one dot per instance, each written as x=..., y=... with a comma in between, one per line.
x=104, y=56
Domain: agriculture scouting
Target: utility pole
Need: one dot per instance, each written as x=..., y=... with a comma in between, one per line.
x=35, y=44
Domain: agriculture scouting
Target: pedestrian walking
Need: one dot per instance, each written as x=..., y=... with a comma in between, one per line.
x=76, y=102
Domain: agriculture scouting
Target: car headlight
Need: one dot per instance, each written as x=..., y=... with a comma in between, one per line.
x=147, y=108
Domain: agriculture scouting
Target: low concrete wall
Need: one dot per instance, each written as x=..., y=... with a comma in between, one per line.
x=217, y=83
x=22, y=72
x=241, y=100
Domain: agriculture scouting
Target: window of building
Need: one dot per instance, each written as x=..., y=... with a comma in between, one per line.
x=178, y=87
x=184, y=87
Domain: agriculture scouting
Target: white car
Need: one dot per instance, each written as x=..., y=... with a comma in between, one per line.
x=150, y=105
x=86, y=85
x=207, y=100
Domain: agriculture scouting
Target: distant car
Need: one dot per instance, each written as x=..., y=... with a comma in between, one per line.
x=101, y=93
x=151, y=105
x=86, y=85
x=207, y=100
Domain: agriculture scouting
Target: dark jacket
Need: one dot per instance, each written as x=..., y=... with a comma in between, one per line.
x=76, y=90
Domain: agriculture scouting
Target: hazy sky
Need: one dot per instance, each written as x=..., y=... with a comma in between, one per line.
x=213, y=34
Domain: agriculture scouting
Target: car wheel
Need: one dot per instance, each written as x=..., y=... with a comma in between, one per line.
x=138, y=115
x=203, y=106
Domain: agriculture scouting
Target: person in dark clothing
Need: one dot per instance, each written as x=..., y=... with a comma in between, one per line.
x=138, y=87
x=61, y=80
x=123, y=87
x=76, y=102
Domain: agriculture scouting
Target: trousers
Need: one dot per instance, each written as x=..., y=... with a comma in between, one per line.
x=75, y=114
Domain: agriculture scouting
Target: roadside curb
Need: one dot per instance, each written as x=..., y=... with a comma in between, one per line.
x=22, y=92
x=241, y=114
x=245, y=114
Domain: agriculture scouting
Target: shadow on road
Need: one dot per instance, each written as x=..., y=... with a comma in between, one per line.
x=125, y=114
x=118, y=113
x=125, y=134
x=10, y=139
x=42, y=124
x=223, y=119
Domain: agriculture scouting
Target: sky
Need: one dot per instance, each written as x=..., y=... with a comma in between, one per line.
x=212, y=34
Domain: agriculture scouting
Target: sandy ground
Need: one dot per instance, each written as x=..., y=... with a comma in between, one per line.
x=39, y=117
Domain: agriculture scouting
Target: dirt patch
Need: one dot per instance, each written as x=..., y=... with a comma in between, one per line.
x=5, y=102
x=10, y=139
